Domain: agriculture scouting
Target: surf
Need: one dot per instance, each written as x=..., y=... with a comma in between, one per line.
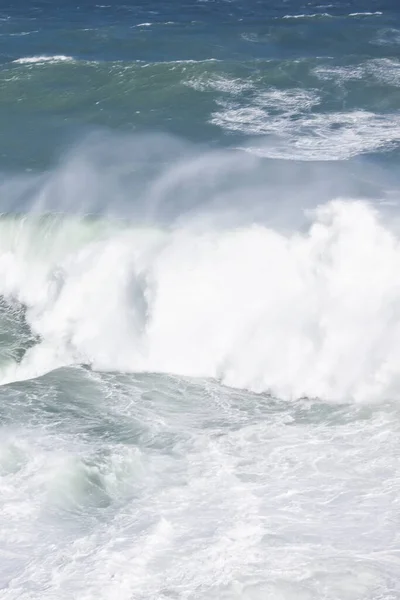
x=302, y=313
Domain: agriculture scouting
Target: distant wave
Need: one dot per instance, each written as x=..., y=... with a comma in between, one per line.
x=43, y=59
x=365, y=14
x=31, y=60
x=158, y=23
x=188, y=61
x=19, y=33
x=305, y=16
x=328, y=15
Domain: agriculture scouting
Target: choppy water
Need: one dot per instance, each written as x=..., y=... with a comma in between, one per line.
x=199, y=300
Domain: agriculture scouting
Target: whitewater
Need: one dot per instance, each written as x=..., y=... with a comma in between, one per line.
x=191, y=402
x=303, y=314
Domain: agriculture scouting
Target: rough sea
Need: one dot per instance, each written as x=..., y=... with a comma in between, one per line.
x=200, y=300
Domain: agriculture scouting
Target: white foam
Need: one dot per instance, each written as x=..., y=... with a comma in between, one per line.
x=300, y=314
x=307, y=16
x=188, y=61
x=237, y=510
x=177, y=62
x=43, y=59
x=341, y=74
x=328, y=15
x=219, y=83
x=384, y=70
x=20, y=33
x=310, y=136
x=377, y=13
x=299, y=133
x=387, y=37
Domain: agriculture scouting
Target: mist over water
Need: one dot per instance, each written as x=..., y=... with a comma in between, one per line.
x=199, y=301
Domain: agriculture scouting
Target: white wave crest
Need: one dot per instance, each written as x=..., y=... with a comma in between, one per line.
x=308, y=16
x=377, y=13
x=328, y=15
x=43, y=59
x=314, y=313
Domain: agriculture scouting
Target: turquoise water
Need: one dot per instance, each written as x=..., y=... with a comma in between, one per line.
x=199, y=300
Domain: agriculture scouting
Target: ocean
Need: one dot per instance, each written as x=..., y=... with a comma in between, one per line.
x=200, y=300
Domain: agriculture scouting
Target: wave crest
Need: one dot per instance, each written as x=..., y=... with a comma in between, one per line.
x=314, y=314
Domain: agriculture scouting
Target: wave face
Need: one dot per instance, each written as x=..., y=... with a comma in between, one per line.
x=292, y=312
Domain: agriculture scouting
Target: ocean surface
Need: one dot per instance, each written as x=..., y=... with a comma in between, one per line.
x=200, y=300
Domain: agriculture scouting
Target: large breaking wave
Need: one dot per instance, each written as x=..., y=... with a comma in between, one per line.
x=304, y=310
